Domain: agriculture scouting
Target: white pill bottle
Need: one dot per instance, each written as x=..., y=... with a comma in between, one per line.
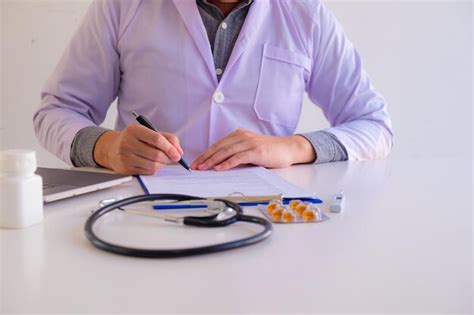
x=21, y=190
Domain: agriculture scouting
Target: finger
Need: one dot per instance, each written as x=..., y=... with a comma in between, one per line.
x=131, y=164
x=151, y=153
x=235, y=160
x=225, y=153
x=157, y=140
x=211, y=150
x=227, y=140
x=139, y=162
x=174, y=140
x=143, y=171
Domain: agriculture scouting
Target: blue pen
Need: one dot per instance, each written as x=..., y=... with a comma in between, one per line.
x=285, y=201
x=178, y=206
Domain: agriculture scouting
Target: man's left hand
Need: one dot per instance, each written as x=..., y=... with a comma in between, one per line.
x=246, y=147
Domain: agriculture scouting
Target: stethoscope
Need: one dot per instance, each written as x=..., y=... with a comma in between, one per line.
x=224, y=213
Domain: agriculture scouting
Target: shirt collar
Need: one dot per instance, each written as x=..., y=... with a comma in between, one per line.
x=242, y=4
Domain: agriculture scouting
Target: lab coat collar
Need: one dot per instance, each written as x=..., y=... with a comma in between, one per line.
x=252, y=24
x=192, y=19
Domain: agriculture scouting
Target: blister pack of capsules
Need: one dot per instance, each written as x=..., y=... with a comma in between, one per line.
x=296, y=211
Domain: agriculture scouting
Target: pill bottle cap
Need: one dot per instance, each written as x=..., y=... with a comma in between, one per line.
x=17, y=162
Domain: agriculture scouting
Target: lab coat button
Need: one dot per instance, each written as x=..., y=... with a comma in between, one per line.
x=219, y=97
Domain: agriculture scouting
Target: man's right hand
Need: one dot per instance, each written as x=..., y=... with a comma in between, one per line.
x=136, y=150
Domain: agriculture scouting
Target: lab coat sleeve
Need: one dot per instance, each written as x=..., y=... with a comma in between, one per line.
x=357, y=113
x=84, y=83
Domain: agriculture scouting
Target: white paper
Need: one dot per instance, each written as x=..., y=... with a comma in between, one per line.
x=249, y=181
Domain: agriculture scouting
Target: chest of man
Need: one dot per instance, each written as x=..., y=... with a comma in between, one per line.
x=168, y=73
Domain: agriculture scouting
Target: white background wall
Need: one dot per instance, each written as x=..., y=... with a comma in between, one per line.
x=418, y=53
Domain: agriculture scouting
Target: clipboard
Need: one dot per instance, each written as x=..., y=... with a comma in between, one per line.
x=247, y=186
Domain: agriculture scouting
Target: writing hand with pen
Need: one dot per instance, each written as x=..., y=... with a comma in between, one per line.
x=138, y=149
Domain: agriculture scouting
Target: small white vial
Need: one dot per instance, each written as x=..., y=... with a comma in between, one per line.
x=337, y=202
x=21, y=190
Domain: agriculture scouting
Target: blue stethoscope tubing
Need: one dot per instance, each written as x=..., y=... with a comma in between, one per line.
x=207, y=221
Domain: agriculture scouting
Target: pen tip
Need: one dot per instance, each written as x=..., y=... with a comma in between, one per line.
x=135, y=114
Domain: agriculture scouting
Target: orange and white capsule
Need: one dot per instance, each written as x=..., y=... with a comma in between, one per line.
x=294, y=203
x=273, y=205
x=300, y=209
x=277, y=213
x=288, y=216
x=309, y=215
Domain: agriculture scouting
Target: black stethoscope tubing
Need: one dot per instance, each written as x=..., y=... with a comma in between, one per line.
x=207, y=221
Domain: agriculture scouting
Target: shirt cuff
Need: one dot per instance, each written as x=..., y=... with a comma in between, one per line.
x=82, y=147
x=327, y=146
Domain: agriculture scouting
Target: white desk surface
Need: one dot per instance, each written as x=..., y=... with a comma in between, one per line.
x=403, y=244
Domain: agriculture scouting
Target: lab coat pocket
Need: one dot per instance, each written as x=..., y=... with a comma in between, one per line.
x=281, y=85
